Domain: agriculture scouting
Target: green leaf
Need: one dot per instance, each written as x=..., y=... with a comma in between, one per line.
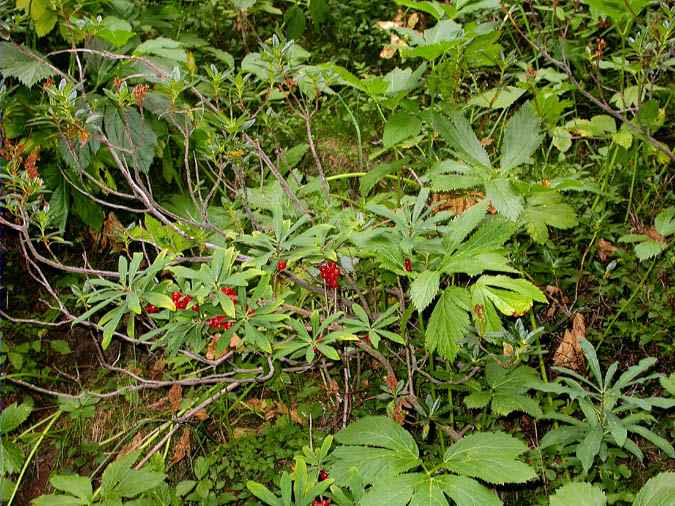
x=133, y=133
x=376, y=174
x=377, y=446
x=668, y=383
x=490, y=456
x=578, y=494
x=546, y=209
x=23, y=64
x=58, y=500
x=449, y=323
x=497, y=98
x=467, y=492
x=116, y=31
x=478, y=399
x=658, y=491
x=294, y=18
x=457, y=132
x=41, y=13
x=649, y=249
x=121, y=480
x=522, y=136
x=60, y=346
x=424, y=288
x=501, y=193
x=13, y=416
x=399, y=127
x=664, y=223
x=161, y=46
x=79, y=486
x=589, y=447
x=159, y=300
x=263, y=493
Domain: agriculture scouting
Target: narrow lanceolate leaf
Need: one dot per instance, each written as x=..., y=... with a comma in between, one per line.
x=589, y=448
x=375, y=445
x=490, y=456
x=504, y=199
x=457, y=132
x=659, y=491
x=21, y=63
x=449, y=322
x=578, y=494
x=522, y=137
x=424, y=288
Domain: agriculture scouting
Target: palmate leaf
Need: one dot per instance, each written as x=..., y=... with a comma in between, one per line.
x=375, y=445
x=578, y=494
x=490, y=456
x=449, y=323
x=504, y=198
x=23, y=64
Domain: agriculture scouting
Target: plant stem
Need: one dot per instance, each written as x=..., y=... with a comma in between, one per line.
x=54, y=418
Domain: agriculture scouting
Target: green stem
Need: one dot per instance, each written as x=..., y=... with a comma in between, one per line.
x=348, y=175
x=53, y=420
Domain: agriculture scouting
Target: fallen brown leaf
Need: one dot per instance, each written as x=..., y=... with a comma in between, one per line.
x=605, y=250
x=183, y=446
x=457, y=203
x=133, y=445
x=569, y=353
x=175, y=397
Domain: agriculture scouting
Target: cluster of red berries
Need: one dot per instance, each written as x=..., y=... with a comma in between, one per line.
x=281, y=265
x=330, y=273
x=151, y=309
x=407, y=265
x=219, y=322
x=320, y=501
x=226, y=290
x=323, y=475
x=181, y=301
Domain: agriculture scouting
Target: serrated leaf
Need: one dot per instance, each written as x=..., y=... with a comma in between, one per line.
x=503, y=197
x=497, y=98
x=161, y=46
x=459, y=135
x=546, y=209
x=658, y=491
x=399, y=127
x=424, y=288
x=13, y=416
x=578, y=494
x=664, y=223
x=23, y=64
x=522, y=136
x=449, y=323
x=377, y=446
x=134, y=134
x=490, y=456
x=467, y=492
x=648, y=249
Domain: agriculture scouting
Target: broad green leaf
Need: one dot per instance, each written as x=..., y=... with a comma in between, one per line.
x=503, y=197
x=116, y=31
x=546, y=209
x=467, y=492
x=377, y=446
x=664, y=223
x=658, y=491
x=490, y=456
x=23, y=64
x=133, y=133
x=13, y=416
x=497, y=98
x=649, y=249
x=58, y=500
x=578, y=494
x=668, y=383
x=392, y=491
x=160, y=300
x=424, y=288
x=399, y=127
x=161, y=46
x=41, y=13
x=457, y=132
x=376, y=174
x=263, y=493
x=79, y=486
x=449, y=323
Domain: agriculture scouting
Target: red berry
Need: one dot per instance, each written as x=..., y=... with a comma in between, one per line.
x=219, y=322
x=226, y=290
x=320, y=501
x=151, y=309
x=281, y=265
x=407, y=265
x=196, y=308
x=175, y=296
x=323, y=475
x=330, y=273
x=183, y=301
